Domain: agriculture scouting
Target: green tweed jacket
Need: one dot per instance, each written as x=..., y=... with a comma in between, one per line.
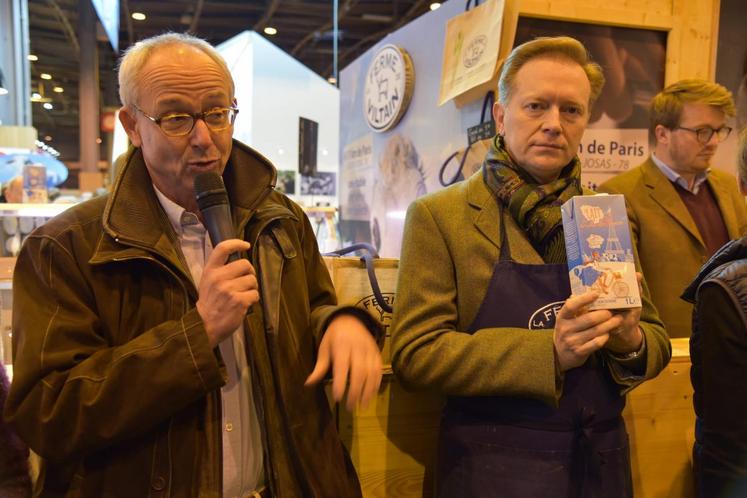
x=451, y=245
x=670, y=247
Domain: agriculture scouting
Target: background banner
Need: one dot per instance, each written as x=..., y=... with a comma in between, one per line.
x=404, y=162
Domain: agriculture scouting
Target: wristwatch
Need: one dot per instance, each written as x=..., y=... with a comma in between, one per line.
x=632, y=355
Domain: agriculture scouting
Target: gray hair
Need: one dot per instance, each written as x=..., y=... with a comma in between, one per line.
x=134, y=59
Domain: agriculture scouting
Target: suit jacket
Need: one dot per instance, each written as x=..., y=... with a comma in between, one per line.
x=669, y=245
x=451, y=245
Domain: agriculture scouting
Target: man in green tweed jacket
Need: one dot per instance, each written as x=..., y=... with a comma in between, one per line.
x=535, y=382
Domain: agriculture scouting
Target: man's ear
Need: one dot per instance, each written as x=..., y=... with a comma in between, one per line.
x=661, y=133
x=127, y=118
x=499, y=114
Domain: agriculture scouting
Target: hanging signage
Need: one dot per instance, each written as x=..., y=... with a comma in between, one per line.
x=108, y=12
x=388, y=87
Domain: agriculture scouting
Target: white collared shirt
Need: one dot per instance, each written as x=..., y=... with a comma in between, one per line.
x=242, y=439
x=675, y=177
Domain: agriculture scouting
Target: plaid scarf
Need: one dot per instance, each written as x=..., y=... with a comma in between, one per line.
x=534, y=207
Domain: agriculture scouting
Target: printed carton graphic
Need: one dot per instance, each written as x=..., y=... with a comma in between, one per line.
x=600, y=250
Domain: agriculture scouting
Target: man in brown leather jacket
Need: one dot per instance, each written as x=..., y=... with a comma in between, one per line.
x=148, y=365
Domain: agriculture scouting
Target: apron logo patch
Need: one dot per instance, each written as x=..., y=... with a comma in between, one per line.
x=544, y=318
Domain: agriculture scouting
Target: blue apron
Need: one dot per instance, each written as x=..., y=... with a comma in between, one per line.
x=512, y=447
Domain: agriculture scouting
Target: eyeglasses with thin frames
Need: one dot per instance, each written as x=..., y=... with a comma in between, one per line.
x=705, y=134
x=179, y=124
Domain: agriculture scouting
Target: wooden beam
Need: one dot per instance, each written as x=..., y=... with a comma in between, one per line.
x=67, y=28
x=409, y=15
x=349, y=4
x=262, y=22
x=196, y=16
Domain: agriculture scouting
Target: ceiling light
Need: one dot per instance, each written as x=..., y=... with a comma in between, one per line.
x=269, y=30
x=138, y=16
x=32, y=57
x=435, y=5
x=38, y=95
x=58, y=89
x=47, y=106
x=45, y=76
x=48, y=138
x=332, y=80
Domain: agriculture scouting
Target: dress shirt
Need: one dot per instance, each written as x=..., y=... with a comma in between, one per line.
x=675, y=177
x=242, y=439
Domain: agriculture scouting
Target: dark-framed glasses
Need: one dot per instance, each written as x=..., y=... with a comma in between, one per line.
x=178, y=124
x=705, y=134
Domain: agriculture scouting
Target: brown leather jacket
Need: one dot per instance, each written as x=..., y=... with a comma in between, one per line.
x=115, y=384
x=15, y=481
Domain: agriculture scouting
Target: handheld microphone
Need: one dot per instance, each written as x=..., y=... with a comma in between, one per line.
x=212, y=199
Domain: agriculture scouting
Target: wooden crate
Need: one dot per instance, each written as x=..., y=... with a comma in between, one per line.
x=660, y=419
x=393, y=441
x=353, y=288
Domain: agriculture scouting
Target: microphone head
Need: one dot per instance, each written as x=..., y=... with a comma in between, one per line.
x=210, y=190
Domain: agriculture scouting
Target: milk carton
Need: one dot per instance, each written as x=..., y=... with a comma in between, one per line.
x=600, y=251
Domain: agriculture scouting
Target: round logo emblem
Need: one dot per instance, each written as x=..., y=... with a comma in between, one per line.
x=544, y=318
x=370, y=304
x=473, y=50
x=388, y=87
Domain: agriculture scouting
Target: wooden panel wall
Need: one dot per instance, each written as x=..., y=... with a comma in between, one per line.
x=660, y=420
x=692, y=26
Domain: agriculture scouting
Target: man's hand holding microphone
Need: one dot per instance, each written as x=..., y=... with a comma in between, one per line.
x=229, y=286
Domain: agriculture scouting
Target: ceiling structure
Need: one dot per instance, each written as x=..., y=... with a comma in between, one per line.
x=304, y=30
